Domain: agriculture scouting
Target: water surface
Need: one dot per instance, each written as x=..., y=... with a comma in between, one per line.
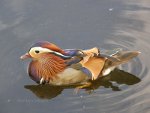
x=83, y=24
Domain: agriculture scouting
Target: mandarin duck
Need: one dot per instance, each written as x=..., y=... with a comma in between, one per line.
x=52, y=65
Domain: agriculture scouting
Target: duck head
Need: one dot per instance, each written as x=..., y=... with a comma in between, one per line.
x=39, y=48
x=47, y=61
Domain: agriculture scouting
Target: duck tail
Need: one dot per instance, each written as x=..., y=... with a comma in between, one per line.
x=122, y=57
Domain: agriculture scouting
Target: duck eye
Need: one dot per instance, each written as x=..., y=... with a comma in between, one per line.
x=37, y=51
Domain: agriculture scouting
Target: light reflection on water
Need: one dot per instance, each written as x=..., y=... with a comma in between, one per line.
x=71, y=24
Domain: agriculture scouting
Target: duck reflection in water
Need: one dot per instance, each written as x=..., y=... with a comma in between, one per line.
x=118, y=76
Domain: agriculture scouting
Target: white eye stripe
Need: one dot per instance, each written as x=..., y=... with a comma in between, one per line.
x=59, y=54
x=42, y=50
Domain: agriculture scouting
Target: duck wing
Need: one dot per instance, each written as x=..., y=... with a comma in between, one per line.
x=93, y=62
x=87, y=61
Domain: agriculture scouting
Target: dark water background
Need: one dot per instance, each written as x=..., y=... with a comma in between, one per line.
x=83, y=24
